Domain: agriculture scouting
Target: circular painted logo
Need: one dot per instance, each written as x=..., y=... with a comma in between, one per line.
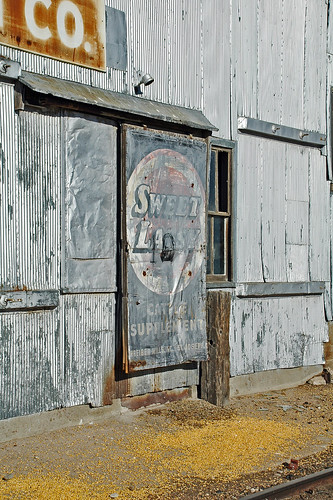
x=165, y=221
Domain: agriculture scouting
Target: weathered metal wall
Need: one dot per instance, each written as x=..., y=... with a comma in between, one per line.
x=30, y=194
x=265, y=60
x=31, y=363
x=172, y=53
x=90, y=204
x=89, y=344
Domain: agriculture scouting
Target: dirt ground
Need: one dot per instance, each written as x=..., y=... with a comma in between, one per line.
x=181, y=450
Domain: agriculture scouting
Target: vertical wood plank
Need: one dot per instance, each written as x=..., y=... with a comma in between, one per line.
x=315, y=65
x=292, y=62
x=215, y=373
x=269, y=61
x=273, y=211
x=249, y=266
x=319, y=217
x=245, y=54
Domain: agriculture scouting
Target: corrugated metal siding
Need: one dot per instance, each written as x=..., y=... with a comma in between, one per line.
x=38, y=191
x=172, y=53
x=89, y=338
x=64, y=357
x=8, y=191
x=216, y=43
x=270, y=333
x=31, y=369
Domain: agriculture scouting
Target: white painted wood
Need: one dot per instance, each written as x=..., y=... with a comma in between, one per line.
x=297, y=184
x=249, y=266
x=315, y=65
x=241, y=345
x=245, y=56
x=297, y=227
x=269, y=61
x=279, y=332
x=329, y=115
x=319, y=217
x=297, y=264
x=292, y=33
x=263, y=332
x=273, y=211
x=329, y=30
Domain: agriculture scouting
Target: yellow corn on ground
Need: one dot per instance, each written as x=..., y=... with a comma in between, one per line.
x=150, y=461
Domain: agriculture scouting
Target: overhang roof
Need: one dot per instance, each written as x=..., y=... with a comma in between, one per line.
x=117, y=102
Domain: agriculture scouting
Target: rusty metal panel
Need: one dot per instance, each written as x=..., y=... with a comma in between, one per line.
x=89, y=339
x=90, y=213
x=71, y=30
x=165, y=233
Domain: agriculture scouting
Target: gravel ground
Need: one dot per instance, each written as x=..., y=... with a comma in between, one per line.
x=182, y=450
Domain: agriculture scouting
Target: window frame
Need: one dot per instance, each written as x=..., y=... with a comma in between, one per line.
x=227, y=279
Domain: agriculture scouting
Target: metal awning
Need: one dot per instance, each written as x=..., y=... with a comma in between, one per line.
x=121, y=103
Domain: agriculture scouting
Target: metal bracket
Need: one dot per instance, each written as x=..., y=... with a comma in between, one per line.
x=280, y=132
x=22, y=300
x=9, y=69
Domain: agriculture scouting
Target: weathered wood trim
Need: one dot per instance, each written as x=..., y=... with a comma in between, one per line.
x=215, y=373
x=220, y=284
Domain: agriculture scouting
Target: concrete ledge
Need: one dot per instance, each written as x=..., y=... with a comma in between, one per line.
x=271, y=380
x=48, y=421
x=38, y=423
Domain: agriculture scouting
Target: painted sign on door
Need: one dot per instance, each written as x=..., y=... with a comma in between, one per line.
x=165, y=230
x=69, y=30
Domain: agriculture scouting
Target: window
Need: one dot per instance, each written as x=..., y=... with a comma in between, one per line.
x=219, y=215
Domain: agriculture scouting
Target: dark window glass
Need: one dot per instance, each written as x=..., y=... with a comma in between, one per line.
x=209, y=245
x=219, y=257
x=223, y=168
x=218, y=222
x=211, y=200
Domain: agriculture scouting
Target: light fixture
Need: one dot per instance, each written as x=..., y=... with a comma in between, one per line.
x=143, y=79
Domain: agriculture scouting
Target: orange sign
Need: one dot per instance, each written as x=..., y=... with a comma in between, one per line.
x=68, y=30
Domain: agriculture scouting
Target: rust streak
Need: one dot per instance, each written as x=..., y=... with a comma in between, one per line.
x=136, y=402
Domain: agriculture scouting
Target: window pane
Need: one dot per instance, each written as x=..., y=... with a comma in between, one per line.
x=223, y=181
x=219, y=257
x=211, y=200
x=209, y=245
